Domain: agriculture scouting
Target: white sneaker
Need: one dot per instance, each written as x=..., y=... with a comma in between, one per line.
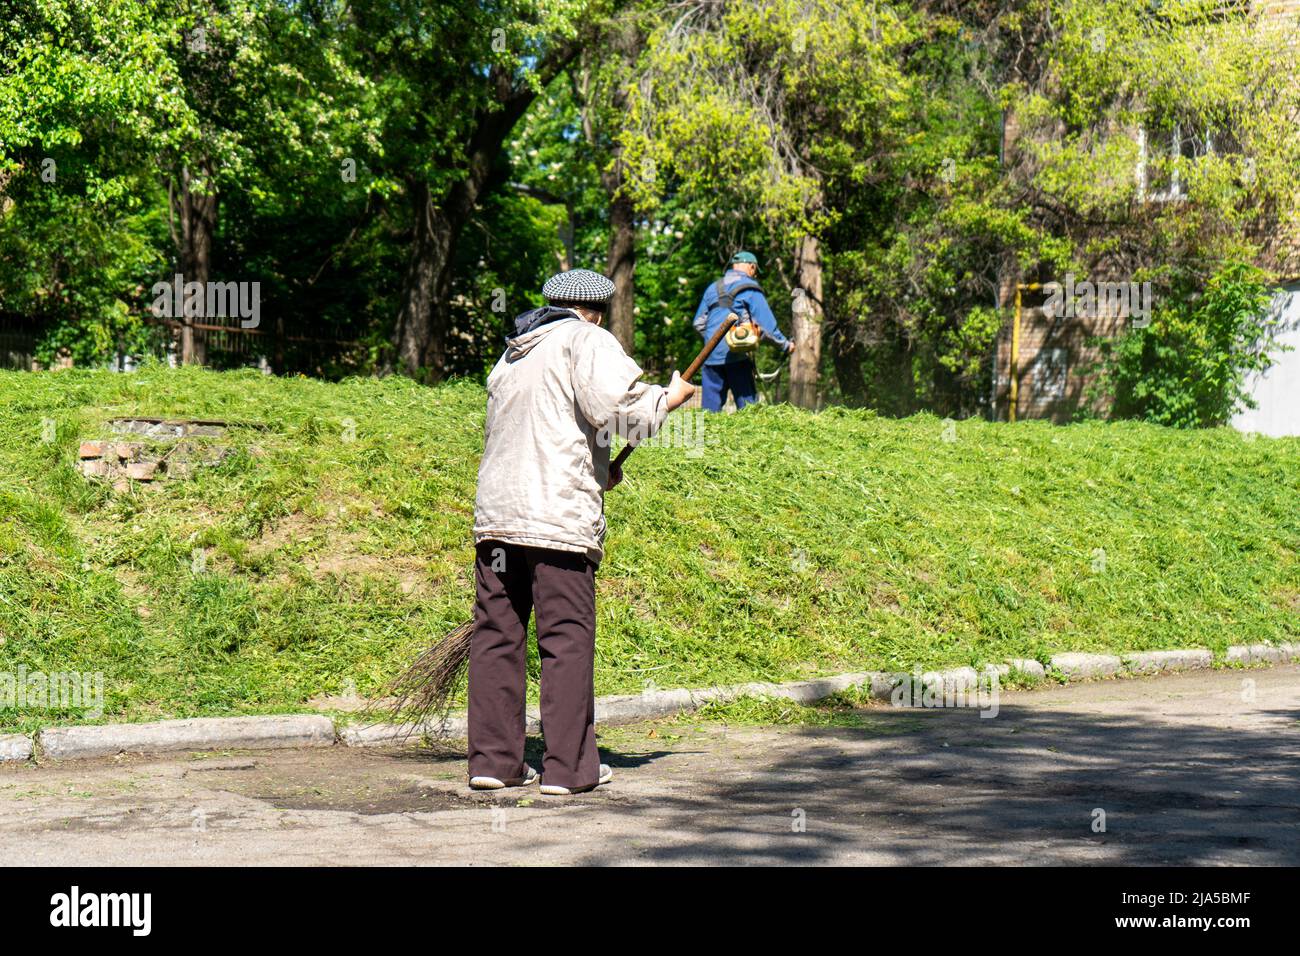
x=606, y=775
x=492, y=783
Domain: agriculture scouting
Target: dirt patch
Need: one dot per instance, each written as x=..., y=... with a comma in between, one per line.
x=126, y=820
x=290, y=529
x=412, y=576
x=885, y=597
x=367, y=783
x=343, y=556
x=396, y=798
x=376, y=781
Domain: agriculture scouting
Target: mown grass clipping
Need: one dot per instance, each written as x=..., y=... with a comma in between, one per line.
x=334, y=542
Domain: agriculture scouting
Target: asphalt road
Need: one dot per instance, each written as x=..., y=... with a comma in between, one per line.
x=1194, y=769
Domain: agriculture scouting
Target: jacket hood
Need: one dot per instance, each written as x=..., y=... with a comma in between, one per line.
x=533, y=326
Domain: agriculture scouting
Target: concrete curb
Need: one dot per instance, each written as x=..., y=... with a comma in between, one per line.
x=1026, y=666
x=15, y=747
x=1087, y=666
x=378, y=735
x=209, y=733
x=1156, y=662
x=628, y=708
x=1263, y=653
x=264, y=733
x=1075, y=667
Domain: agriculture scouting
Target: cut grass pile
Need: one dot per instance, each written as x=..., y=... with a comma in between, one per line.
x=335, y=542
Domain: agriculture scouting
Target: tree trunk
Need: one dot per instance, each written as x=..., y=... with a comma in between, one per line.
x=805, y=363
x=620, y=264
x=423, y=322
x=622, y=270
x=198, y=219
x=607, y=106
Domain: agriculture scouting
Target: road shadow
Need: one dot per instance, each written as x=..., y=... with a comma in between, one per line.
x=1027, y=787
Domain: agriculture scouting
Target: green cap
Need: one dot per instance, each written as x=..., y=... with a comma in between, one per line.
x=743, y=256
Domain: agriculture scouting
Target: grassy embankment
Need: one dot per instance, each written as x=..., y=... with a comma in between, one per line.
x=799, y=544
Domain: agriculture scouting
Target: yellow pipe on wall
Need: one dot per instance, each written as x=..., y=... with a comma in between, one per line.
x=1013, y=397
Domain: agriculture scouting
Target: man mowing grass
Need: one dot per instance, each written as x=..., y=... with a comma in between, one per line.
x=562, y=388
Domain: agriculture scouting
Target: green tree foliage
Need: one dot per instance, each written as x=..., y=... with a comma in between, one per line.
x=456, y=79
x=1188, y=368
x=83, y=92
x=872, y=127
x=403, y=174
x=943, y=150
x=138, y=108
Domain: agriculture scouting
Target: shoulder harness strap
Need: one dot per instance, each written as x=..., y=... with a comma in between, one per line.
x=727, y=297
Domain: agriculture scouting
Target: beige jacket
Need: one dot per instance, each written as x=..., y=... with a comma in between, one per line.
x=555, y=398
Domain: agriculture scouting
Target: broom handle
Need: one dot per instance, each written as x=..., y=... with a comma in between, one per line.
x=691, y=369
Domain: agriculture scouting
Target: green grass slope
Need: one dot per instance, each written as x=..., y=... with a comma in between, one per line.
x=335, y=543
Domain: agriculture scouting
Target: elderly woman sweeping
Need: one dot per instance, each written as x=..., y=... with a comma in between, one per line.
x=563, y=387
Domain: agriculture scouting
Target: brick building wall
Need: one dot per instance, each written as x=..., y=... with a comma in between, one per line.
x=1055, y=355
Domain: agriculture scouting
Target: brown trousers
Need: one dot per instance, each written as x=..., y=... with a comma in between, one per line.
x=513, y=581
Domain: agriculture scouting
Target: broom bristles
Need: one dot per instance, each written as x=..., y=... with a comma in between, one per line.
x=426, y=689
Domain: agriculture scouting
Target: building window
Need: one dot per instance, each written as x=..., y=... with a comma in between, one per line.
x=1051, y=372
x=1164, y=149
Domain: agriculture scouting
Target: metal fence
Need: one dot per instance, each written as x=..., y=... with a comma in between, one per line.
x=18, y=338
x=216, y=345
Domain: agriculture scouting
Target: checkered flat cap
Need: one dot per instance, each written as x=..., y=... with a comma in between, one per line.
x=579, y=287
